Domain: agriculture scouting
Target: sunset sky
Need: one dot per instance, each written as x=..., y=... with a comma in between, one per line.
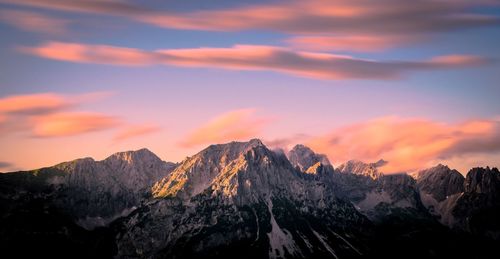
x=413, y=82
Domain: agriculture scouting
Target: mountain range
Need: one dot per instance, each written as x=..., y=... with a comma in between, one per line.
x=244, y=200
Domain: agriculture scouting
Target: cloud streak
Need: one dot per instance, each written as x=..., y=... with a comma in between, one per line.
x=416, y=144
x=34, y=22
x=234, y=125
x=71, y=124
x=49, y=115
x=360, y=25
x=315, y=16
x=42, y=103
x=251, y=57
x=33, y=104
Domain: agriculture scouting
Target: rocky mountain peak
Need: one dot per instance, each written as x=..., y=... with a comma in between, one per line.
x=218, y=167
x=361, y=168
x=483, y=180
x=440, y=182
x=143, y=155
x=303, y=157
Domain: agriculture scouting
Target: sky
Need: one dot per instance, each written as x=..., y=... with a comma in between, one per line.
x=415, y=84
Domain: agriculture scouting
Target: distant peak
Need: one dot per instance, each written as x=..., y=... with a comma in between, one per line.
x=361, y=168
x=303, y=157
x=134, y=155
x=301, y=147
x=255, y=142
x=142, y=150
x=380, y=163
x=442, y=166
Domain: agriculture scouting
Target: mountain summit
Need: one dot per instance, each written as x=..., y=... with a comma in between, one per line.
x=244, y=200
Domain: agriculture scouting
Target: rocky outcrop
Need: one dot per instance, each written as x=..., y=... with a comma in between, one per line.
x=303, y=158
x=374, y=194
x=242, y=200
x=440, y=187
x=478, y=209
x=242, y=193
x=93, y=193
x=360, y=168
x=483, y=181
x=440, y=182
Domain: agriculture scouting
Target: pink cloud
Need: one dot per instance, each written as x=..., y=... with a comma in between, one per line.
x=101, y=54
x=71, y=123
x=408, y=144
x=44, y=102
x=251, y=57
x=32, y=104
x=46, y=114
x=34, y=22
x=234, y=125
x=135, y=131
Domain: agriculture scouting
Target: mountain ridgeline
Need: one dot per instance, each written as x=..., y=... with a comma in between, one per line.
x=243, y=200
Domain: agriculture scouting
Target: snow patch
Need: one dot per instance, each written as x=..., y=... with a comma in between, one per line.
x=325, y=244
x=279, y=239
x=347, y=242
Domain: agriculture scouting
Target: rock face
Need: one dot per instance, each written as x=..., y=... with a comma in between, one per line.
x=363, y=169
x=478, y=209
x=242, y=200
x=483, y=181
x=440, y=182
x=303, y=157
x=440, y=187
x=263, y=204
x=377, y=195
x=471, y=203
x=94, y=193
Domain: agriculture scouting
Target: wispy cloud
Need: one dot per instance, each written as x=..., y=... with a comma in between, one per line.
x=233, y=125
x=252, y=57
x=71, y=123
x=34, y=22
x=50, y=115
x=34, y=103
x=325, y=24
x=286, y=143
x=45, y=115
x=42, y=103
x=134, y=131
x=315, y=16
x=416, y=144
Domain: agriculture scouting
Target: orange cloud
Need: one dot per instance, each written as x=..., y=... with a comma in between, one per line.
x=408, y=144
x=358, y=43
x=71, y=123
x=251, y=57
x=101, y=54
x=34, y=103
x=46, y=114
x=136, y=131
x=234, y=125
x=34, y=22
